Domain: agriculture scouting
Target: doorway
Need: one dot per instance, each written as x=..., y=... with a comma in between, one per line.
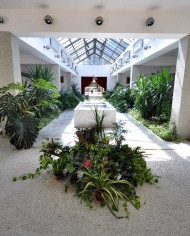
x=85, y=81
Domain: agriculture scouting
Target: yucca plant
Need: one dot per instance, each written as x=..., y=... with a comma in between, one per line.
x=107, y=189
x=40, y=72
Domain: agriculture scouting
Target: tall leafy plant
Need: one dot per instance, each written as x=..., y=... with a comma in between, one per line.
x=46, y=100
x=120, y=97
x=162, y=91
x=142, y=93
x=20, y=110
x=153, y=95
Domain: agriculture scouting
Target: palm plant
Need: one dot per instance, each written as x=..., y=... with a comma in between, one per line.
x=40, y=72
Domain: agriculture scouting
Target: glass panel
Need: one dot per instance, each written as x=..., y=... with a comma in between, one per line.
x=102, y=51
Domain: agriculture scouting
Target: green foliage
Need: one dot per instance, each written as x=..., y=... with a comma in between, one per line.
x=40, y=72
x=99, y=171
x=9, y=106
x=14, y=86
x=47, y=118
x=120, y=97
x=127, y=162
x=34, y=99
x=142, y=93
x=22, y=131
x=161, y=129
x=70, y=98
x=118, y=133
x=153, y=95
x=98, y=123
x=75, y=90
x=101, y=184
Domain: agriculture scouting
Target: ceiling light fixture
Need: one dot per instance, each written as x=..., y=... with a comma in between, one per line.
x=150, y=21
x=147, y=47
x=135, y=56
x=48, y=19
x=99, y=20
x=1, y=20
x=47, y=47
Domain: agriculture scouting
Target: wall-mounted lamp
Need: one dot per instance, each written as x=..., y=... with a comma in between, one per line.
x=135, y=56
x=47, y=47
x=1, y=20
x=147, y=47
x=48, y=19
x=58, y=56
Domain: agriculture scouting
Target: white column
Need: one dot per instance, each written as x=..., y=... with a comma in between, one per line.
x=55, y=69
x=134, y=74
x=10, y=71
x=181, y=97
x=69, y=78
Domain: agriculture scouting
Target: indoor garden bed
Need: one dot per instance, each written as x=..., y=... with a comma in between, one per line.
x=100, y=172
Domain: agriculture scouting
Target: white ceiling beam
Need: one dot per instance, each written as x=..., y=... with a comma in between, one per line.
x=81, y=23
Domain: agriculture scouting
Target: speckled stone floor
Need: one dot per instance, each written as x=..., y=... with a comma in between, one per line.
x=40, y=207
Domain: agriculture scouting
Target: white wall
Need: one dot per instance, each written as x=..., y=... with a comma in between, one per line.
x=94, y=70
x=162, y=61
x=154, y=69
x=34, y=50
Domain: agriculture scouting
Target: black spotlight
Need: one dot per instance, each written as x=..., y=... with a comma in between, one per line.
x=48, y=19
x=1, y=20
x=99, y=20
x=150, y=21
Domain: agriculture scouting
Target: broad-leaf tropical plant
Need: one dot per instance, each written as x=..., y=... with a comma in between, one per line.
x=20, y=110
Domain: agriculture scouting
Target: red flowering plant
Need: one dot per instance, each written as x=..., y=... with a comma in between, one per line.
x=88, y=163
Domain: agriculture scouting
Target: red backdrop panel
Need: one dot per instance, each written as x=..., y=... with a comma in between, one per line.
x=85, y=81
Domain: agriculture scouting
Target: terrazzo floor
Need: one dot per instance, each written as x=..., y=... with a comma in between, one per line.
x=41, y=207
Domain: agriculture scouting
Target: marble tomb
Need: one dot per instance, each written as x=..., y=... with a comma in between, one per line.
x=83, y=113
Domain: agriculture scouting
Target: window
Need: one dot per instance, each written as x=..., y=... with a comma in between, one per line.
x=62, y=79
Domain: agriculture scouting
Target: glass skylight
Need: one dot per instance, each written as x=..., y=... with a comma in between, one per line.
x=94, y=51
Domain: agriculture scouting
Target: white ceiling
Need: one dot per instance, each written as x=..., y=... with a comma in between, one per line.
x=76, y=18
x=148, y=5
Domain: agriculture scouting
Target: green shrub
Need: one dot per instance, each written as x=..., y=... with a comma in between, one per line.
x=120, y=97
x=158, y=127
x=68, y=100
x=71, y=98
x=153, y=95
